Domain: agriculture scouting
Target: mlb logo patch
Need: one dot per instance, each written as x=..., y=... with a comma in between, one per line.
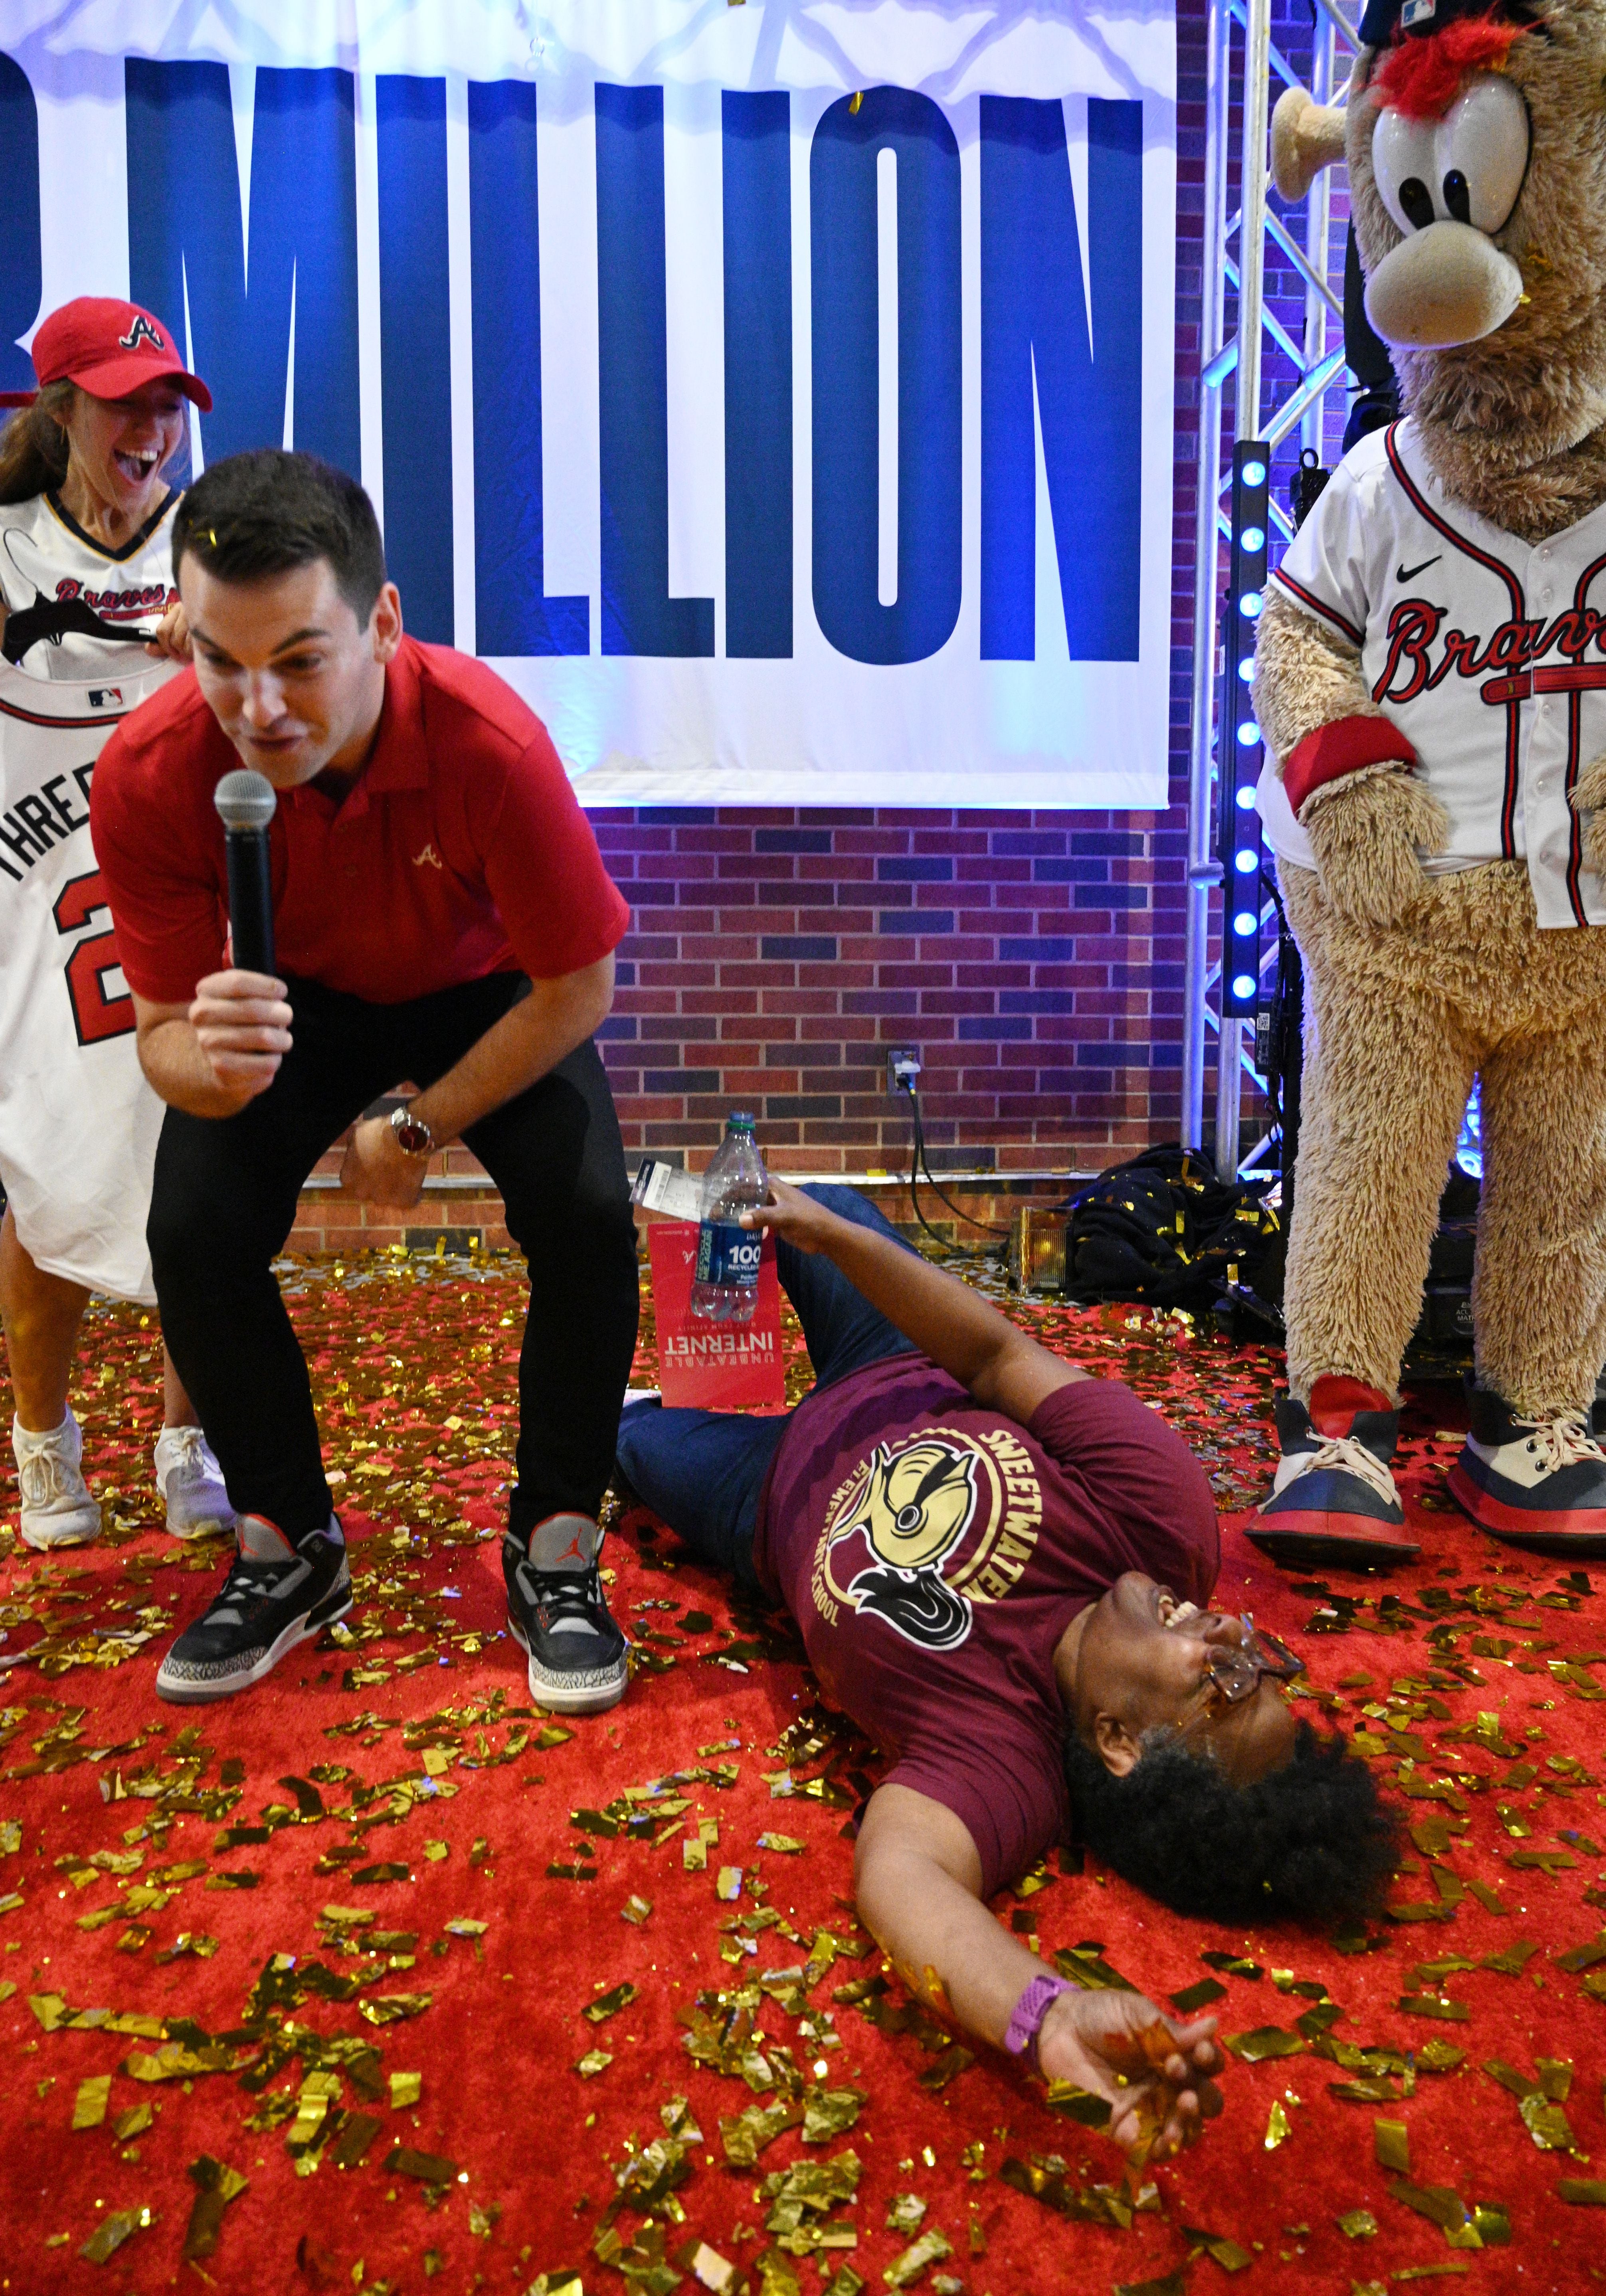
x=1416, y=11
x=105, y=697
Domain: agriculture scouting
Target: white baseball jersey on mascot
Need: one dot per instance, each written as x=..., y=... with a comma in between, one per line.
x=1488, y=655
x=78, y=1123
x=52, y=574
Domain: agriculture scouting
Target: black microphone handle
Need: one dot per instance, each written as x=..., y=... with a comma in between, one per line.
x=250, y=900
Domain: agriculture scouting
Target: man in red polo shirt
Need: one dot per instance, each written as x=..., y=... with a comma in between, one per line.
x=442, y=915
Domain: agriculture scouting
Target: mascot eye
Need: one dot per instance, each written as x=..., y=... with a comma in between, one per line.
x=1481, y=152
x=1402, y=162
x=1466, y=168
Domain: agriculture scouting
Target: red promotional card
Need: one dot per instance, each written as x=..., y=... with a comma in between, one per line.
x=703, y=1367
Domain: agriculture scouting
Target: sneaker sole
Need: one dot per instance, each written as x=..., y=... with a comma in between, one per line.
x=1547, y=1532
x=209, y=1527
x=1306, y=1538
x=562, y=1693
x=60, y=1538
x=186, y=1693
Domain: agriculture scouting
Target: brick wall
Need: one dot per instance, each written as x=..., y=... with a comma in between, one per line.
x=775, y=957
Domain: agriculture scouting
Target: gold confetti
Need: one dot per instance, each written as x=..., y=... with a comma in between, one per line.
x=727, y=1888
x=89, y=2107
x=609, y=2004
x=109, y=2234
x=1390, y=2147
x=711, y=2270
x=931, y=2248
x=1358, y=2224
x=405, y=2089
x=593, y=2062
x=1266, y=2041
x=855, y=100
x=1277, y=2126
x=436, y=1850
x=429, y=2168
x=635, y=1910
x=1583, y=2191
x=1227, y=2253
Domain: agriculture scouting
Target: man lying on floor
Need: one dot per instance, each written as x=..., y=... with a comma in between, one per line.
x=999, y=1566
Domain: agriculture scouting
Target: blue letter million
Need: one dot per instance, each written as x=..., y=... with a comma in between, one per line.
x=1061, y=338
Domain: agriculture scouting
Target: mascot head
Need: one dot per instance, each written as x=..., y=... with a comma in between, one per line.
x=1476, y=145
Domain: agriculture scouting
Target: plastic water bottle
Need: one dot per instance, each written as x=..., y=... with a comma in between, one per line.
x=726, y=1287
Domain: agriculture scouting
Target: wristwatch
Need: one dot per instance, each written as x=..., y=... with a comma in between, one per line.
x=413, y=1137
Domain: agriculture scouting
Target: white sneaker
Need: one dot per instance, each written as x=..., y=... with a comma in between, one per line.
x=58, y=1507
x=191, y=1482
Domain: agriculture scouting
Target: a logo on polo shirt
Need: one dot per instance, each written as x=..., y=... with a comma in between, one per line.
x=141, y=332
x=428, y=855
x=925, y=1528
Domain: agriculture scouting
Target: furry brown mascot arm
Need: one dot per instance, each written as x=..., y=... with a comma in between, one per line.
x=1589, y=803
x=1353, y=792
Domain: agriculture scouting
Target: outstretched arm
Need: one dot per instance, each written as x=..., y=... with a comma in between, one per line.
x=918, y=1881
x=944, y=1317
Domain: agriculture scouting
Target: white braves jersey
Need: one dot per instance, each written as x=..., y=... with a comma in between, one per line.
x=1488, y=653
x=53, y=572
x=78, y=1123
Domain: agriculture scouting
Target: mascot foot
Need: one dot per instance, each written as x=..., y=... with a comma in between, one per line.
x=1334, y=1499
x=1535, y=1483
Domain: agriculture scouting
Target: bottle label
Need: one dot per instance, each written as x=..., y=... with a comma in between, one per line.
x=727, y=1253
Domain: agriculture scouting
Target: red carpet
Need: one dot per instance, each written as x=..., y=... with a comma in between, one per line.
x=174, y=1977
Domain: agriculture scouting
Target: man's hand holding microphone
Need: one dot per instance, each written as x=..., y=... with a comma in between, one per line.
x=240, y=1016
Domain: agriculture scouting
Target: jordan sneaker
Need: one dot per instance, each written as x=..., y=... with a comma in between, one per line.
x=190, y=1483
x=58, y=1506
x=274, y=1596
x=1535, y=1483
x=1334, y=1499
x=557, y=1613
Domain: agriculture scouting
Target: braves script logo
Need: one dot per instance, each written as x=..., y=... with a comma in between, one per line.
x=118, y=605
x=1420, y=658
x=141, y=332
x=428, y=855
x=891, y=1549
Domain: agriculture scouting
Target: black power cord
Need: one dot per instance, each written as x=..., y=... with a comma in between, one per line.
x=920, y=1161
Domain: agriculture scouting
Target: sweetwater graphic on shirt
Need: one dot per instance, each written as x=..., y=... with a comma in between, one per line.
x=926, y=1527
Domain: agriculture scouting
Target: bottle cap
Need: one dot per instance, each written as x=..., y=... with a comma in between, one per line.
x=739, y=1121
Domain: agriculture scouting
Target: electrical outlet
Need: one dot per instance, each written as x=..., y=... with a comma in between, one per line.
x=903, y=1068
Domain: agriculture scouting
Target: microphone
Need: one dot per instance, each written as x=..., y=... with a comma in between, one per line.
x=246, y=804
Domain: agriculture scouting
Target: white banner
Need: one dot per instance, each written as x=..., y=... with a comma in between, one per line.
x=779, y=395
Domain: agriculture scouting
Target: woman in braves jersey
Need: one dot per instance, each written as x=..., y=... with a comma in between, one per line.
x=85, y=594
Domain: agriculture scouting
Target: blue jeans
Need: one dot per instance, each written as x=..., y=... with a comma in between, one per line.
x=701, y=1471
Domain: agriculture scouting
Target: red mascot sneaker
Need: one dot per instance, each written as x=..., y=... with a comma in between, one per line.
x=1334, y=1499
x=1535, y=1483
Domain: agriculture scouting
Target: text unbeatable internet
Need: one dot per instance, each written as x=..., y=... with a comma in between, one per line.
x=693, y=1345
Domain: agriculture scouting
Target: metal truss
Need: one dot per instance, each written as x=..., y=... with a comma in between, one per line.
x=1234, y=255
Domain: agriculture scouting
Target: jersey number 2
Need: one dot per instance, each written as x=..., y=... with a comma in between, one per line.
x=95, y=1015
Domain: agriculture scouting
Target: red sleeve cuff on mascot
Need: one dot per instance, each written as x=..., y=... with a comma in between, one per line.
x=1331, y=752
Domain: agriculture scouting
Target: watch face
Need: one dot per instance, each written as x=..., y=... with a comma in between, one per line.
x=412, y=1136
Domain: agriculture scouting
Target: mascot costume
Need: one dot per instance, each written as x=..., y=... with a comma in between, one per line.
x=1431, y=676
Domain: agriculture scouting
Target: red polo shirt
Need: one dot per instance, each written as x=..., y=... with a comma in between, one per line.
x=460, y=850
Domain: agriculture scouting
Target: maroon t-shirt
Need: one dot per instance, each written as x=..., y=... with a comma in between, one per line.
x=933, y=1552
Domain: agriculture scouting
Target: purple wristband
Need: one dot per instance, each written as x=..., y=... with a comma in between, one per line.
x=1026, y=2018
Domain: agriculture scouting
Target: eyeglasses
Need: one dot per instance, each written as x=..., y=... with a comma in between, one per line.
x=1233, y=1671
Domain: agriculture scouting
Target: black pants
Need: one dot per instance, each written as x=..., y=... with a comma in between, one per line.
x=224, y=1199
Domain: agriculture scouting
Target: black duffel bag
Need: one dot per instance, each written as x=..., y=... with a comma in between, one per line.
x=1162, y=1229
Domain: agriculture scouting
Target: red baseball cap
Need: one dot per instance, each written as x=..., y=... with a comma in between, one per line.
x=109, y=348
